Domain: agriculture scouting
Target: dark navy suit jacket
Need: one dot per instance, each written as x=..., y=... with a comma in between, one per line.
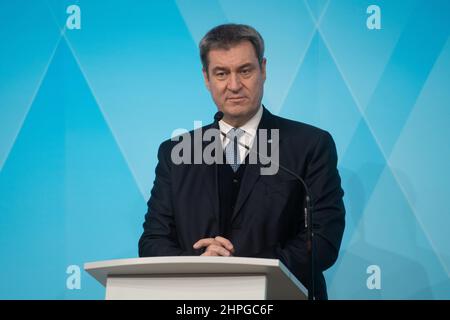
x=268, y=219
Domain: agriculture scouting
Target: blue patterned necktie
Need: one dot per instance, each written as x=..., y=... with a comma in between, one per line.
x=232, y=148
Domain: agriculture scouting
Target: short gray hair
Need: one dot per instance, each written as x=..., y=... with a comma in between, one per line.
x=228, y=35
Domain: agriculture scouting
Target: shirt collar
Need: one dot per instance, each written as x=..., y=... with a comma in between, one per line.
x=249, y=127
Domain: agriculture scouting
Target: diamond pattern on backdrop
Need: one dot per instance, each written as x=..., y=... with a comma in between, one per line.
x=94, y=116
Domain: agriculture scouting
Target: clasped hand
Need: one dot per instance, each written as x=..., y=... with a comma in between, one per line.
x=218, y=246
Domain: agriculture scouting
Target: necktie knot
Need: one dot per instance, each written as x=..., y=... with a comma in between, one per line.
x=235, y=133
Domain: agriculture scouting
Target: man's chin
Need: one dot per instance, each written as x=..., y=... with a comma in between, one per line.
x=236, y=108
x=236, y=113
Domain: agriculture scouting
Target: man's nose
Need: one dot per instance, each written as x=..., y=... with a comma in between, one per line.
x=234, y=82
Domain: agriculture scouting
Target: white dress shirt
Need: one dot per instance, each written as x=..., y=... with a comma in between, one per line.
x=247, y=138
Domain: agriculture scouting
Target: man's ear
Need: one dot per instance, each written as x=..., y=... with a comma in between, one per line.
x=206, y=78
x=263, y=68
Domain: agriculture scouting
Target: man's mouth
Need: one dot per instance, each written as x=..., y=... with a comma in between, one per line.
x=236, y=99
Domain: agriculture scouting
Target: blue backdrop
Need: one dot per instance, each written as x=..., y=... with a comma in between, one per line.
x=82, y=113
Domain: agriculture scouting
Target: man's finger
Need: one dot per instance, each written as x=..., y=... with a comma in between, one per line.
x=203, y=243
x=209, y=253
x=221, y=251
x=225, y=242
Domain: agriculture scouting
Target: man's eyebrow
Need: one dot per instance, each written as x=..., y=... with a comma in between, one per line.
x=219, y=68
x=246, y=65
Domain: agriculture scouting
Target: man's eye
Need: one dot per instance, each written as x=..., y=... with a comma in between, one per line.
x=220, y=74
x=245, y=71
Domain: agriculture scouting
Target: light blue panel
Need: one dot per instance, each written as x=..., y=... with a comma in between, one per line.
x=58, y=10
x=391, y=224
x=302, y=102
x=200, y=16
x=388, y=236
x=360, y=170
x=287, y=29
x=364, y=158
x=318, y=7
x=28, y=38
x=362, y=54
x=422, y=155
x=401, y=277
x=66, y=191
x=144, y=71
x=407, y=71
x=320, y=97
x=104, y=208
x=355, y=183
x=32, y=202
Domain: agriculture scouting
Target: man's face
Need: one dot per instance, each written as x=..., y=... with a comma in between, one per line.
x=236, y=81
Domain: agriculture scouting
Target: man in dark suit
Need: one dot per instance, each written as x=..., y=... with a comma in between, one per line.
x=230, y=208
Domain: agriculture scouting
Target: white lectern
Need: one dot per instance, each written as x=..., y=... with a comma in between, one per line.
x=196, y=278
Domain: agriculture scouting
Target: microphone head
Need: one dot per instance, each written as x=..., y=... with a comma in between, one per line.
x=218, y=116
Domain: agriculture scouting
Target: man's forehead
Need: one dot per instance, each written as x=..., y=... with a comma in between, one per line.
x=234, y=56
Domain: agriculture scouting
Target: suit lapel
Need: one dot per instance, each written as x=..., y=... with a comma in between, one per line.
x=211, y=179
x=251, y=175
x=253, y=171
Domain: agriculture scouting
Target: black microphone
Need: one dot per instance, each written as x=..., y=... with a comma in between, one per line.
x=309, y=230
x=308, y=226
x=307, y=210
x=218, y=116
